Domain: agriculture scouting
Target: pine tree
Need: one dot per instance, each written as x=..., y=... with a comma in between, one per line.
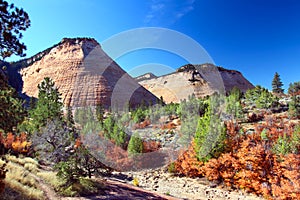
x=13, y=22
x=135, y=145
x=277, y=84
x=11, y=109
x=49, y=105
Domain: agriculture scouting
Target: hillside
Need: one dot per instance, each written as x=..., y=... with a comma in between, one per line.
x=180, y=84
x=83, y=73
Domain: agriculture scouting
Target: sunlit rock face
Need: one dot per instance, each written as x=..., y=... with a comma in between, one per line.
x=84, y=75
x=207, y=79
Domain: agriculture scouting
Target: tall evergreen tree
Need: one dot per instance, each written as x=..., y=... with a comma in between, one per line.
x=277, y=84
x=11, y=109
x=49, y=105
x=12, y=22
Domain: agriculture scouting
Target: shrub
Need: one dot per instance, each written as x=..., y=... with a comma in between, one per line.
x=138, y=115
x=233, y=104
x=69, y=171
x=210, y=136
x=294, y=106
x=135, y=145
x=261, y=97
x=294, y=88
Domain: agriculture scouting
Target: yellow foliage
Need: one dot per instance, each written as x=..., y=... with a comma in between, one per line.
x=135, y=181
x=21, y=147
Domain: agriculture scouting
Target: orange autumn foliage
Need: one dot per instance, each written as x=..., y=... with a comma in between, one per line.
x=249, y=163
x=15, y=143
x=142, y=124
x=187, y=164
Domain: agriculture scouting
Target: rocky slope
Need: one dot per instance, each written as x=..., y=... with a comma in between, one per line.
x=206, y=80
x=83, y=73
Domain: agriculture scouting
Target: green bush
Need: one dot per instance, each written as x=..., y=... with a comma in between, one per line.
x=135, y=145
x=288, y=144
x=261, y=97
x=294, y=88
x=211, y=133
x=294, y=106
x=138, y=115
x=113, y=130
x=233, y=104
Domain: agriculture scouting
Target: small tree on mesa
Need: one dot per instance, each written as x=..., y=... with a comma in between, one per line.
x=277, y=84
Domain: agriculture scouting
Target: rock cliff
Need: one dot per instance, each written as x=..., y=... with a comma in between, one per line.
x=83, y=73
x=198, y=80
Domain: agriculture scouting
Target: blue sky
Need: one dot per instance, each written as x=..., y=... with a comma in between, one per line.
x=255, y=37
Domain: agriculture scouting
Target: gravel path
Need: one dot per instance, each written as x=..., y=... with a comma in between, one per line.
x=179, y=187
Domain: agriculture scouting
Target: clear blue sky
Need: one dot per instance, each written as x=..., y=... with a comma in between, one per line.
x=256, y=37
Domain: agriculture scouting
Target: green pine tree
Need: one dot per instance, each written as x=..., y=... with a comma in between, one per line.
x=11, y=109
x=49, y=105
x=135, y=145
x=211, y=133
x=277, y=84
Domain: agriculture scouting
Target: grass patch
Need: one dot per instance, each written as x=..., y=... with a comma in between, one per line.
x=30, y=192
x=51, y=178
x=31, y=167
x=14, y=159
x=31, y=161
x=19, y=182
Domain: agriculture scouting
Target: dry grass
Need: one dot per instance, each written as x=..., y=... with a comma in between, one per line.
x=31, y=167
x=19, y=179
x=14, y=159
x=51, y=178
x=30, y=160
x=22, y=181
x=19, y=182
x=30, y=192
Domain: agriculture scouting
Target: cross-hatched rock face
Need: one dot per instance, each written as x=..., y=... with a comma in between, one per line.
x=207, y=79
x=85, y=76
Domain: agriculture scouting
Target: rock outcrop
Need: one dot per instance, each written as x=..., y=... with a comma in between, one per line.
x=144, y=77
x=198, y=80
x=84, y=75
